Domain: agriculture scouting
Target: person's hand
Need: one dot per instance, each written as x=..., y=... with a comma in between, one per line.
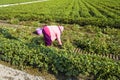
x=60, y=46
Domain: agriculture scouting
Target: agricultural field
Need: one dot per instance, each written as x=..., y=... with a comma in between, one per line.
x=20, y=47
x=90, y=25
x=82, y=12
x=13, y=1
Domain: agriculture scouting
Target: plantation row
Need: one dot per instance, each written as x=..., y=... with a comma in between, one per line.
x=20, y=47
x=82, y=12
x=111, y=56
x=88, y=39
x=13, y=1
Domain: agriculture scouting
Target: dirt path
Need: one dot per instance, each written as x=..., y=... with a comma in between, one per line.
x=6, y=5
x=7, y=73
x=5, y=23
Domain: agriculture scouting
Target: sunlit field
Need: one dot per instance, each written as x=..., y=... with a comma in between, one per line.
x=90, y=25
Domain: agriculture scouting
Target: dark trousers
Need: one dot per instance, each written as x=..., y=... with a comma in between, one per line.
x=47, y=38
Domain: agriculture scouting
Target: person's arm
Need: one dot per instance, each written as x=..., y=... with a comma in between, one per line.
x=59, y=39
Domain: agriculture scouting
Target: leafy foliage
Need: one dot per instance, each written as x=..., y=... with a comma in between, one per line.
x=27, y=50
x=82, y=12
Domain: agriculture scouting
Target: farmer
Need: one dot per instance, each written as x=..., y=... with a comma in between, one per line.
x=52, y=33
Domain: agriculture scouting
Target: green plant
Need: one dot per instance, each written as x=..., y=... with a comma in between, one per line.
x=14, y=21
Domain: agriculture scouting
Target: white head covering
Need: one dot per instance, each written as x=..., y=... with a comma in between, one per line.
x=61, y=28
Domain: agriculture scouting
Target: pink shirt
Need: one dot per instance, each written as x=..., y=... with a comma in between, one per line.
x=55, y=33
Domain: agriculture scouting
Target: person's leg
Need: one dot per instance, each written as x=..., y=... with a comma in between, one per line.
x=47, y=38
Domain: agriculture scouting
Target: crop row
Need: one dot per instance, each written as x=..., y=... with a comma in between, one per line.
x=104, y=11
x=91, y=42
x=108, y=3
x=57, y=61
x=81, y=12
